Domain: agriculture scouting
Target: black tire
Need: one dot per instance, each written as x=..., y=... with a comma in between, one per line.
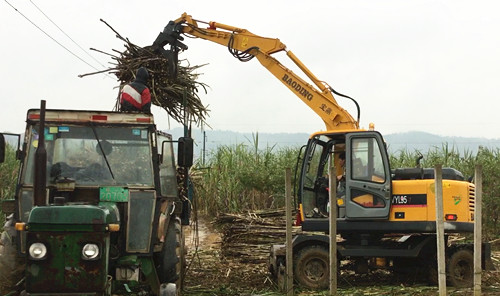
x=421, y=269
x=173, y=255
x=311, y=267
x=461, y=269
x=182, y=251
x=11, y=266
x=433, y=276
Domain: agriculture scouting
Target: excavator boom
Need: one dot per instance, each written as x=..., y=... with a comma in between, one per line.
x=245, y=45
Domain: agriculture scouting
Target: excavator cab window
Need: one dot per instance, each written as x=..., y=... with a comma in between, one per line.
x=368, y=189
x=363, y=185
x=314, y=190
x=311, y=169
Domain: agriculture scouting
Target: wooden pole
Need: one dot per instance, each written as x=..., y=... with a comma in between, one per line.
x=333, y=226
x=438, y=181
x=289, y=259
x=478, y=229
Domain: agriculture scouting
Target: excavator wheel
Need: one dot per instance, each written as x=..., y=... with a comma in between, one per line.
x=461, y=268
x=311, y=267
x=11, y=266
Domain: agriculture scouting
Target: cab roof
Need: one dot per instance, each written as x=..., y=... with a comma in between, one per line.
x=79, y=116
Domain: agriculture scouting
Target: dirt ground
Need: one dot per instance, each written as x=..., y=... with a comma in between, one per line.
x=209, y=272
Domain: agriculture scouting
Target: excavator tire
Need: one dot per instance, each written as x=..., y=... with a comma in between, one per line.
x=11, y=266
x=461, y=268
x=311, y=267
x=173, y=255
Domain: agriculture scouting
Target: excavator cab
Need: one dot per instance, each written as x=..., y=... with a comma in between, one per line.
x=363, y=185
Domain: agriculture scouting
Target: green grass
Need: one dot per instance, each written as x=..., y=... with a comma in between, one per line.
x=8, y=177
x=243, y=177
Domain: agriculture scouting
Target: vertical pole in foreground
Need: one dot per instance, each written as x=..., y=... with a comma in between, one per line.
x=289, y=247
x=478, y=229
x=40, y=188
x=333, y=226
x=438, y=181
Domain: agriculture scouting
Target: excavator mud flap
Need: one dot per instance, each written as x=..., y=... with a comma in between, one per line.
x=276, y=259
x=486, y=254
x=169, y=289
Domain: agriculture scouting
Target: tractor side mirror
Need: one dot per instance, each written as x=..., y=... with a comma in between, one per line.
x=185, y=152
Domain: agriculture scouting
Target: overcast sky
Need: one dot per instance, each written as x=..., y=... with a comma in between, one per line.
x=430, y=66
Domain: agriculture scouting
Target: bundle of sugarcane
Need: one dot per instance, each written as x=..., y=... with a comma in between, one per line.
x=249, y=236
x=176, y=95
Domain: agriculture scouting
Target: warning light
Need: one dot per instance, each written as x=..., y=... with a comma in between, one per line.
x=299, y=218
x=99, y=117
x=20, y=226
x=114, y=227
x=450, y=217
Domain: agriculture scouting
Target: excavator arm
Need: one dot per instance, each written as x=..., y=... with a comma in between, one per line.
x=245, y=45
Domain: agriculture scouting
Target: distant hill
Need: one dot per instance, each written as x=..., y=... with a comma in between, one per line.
x=423, y=142
x=218, y=138
x=409, y=141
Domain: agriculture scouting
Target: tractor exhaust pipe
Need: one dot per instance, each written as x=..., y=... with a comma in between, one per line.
x=41, y=162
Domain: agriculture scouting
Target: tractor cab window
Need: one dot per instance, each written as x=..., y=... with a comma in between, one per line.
x=94, y=156
x=168, y=175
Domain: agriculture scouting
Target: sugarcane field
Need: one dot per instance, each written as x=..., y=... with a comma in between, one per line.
x=112, y=202
x=230, y=254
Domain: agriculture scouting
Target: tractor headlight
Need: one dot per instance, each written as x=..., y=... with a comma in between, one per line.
x=90, y=252
x=38, y=251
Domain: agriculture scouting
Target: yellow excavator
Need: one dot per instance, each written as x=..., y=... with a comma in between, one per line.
x=385, y=216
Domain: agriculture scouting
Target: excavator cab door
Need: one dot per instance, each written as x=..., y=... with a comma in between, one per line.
x=368, y=177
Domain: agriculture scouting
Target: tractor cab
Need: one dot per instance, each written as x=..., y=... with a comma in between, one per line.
x=97, y=203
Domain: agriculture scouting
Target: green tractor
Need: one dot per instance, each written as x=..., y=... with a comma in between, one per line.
x=97, y=209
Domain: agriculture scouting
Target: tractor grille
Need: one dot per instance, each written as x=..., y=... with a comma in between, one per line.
x=472, y=200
